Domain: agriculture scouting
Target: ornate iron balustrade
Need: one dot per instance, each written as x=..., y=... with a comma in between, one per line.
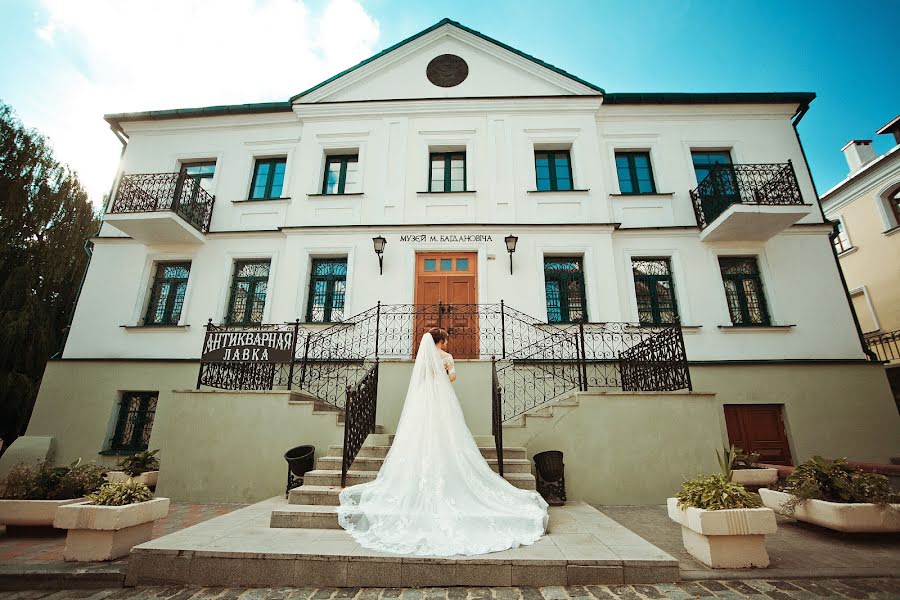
x=886, y=346
x=657, y=363
x=725, y=185
x=359, y=419
x=177, y=192
x=497, y=415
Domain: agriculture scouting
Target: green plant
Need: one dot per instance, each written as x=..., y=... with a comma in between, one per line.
x=715, y=492
x=44, y=481
x=835, y=481
x=140, y=462
x=120, y=494
x=735, y=458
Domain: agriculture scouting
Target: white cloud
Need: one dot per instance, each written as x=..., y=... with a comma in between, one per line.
x=128, y=55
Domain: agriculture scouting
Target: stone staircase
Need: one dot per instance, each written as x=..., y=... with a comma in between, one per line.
x=313, y=505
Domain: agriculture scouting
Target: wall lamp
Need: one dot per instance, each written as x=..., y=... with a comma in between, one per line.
x=379, y=250
x=511, y=241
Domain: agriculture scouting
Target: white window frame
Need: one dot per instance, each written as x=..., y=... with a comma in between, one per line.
x=864, y=291
x=231, y=258
x=147, y=278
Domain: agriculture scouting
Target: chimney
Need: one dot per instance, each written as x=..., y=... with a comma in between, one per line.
x=858, y=153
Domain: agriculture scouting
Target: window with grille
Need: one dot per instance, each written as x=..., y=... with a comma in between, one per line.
x=654, y=291
x=134, y=421
x=840, y=240
x=327, y=287
x=635, y=173
x=564, y=284
x=341, y=174
x=744, y=290
x=167, y=294
x=268, y=178
x=553, y=169
x=448, y=172
x=248, y=292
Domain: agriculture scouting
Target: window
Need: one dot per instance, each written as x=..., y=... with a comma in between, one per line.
x=894, y=205
x=268, y=178
x=635, y=173
x=341, y=174
x=744, y=291
x=199, y=170
x=327, y=287
x=248, y=292
x=654, y=291
x=448, y=172
x=167, y=294
x=553, y=170
x=705, y=160
x=840, y=238
x=134, y=421
x=564, y=284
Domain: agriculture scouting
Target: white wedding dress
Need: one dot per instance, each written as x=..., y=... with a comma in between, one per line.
x=435, y=495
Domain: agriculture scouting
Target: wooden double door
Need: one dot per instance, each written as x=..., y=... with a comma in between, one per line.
x=446, y=296
x=759, y=428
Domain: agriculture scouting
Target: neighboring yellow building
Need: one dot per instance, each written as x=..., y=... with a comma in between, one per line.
x=866, y=210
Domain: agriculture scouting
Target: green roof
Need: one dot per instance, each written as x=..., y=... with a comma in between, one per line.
x=710, y=98
x=202, y=111
x=459, y=25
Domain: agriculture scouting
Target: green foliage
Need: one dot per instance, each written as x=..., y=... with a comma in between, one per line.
x=735, y=458
x=43, y=481
x=120, y=494
x=836, y=481
x=140, y=462
x=45, y=218
x=715, y=492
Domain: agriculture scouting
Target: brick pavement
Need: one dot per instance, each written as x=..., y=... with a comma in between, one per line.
x=757, y=589
x=49, y=550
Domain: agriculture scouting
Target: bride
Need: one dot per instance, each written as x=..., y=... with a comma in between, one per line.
x=435, y=495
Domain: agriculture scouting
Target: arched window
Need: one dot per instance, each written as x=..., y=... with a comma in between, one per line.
x=889, y=204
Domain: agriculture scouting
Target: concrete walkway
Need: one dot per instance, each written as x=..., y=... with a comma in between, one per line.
x=795, y=550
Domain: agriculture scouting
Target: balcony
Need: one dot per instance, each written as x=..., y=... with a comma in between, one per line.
x=161, y=208
x=748, y=202
x=885, y=345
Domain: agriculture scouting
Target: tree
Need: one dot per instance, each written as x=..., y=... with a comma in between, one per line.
x=45, y=219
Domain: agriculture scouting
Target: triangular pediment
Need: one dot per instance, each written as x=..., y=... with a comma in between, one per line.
x=447, y=60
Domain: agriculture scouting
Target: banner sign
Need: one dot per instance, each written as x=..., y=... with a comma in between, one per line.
x=264, y=346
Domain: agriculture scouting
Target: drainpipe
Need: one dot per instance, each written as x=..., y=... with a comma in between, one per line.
x=837, y=263
x=89, y=245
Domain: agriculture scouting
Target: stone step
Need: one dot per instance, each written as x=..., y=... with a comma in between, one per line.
x=509, y=452
x=299, y=516
x=372, y=463
x=315, y=495
x=332, y=477
x=386, y=440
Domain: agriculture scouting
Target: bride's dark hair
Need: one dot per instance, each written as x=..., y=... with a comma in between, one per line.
x=438, y=335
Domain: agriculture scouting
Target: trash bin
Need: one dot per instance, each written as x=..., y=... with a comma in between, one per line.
x=300, y=460
x=551, y=480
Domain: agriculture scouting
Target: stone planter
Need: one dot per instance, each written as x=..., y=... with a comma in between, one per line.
x=725, y=539
x=754, y=477
x=20, y=514
x=108, y=532
x=849, y=518
x=149, y=478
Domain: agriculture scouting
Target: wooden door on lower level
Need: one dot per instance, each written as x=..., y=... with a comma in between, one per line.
x=446, y=296
x=759, y=428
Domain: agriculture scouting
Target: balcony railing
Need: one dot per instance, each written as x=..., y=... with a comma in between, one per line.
x=176, y=192
x=725, y=185
x=886, y=346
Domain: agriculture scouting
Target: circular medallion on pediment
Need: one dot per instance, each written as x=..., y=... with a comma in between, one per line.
x=447, y=70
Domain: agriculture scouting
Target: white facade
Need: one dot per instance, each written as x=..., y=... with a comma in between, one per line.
x=389, y=114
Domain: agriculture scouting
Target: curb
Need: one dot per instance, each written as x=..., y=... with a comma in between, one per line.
x=31, y=577
x=836, y=573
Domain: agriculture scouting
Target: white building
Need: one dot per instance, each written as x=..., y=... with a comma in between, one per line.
x=443, y=145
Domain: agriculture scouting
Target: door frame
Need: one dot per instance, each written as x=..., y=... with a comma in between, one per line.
x=473, y=257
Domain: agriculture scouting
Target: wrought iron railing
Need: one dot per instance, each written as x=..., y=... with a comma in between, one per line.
x=744, y=184
x=177, y=192
x=536, y=362
x=886, y=346
x=497, y=415
x=359, y=418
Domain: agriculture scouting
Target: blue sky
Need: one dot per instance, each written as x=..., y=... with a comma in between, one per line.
x=67, y=62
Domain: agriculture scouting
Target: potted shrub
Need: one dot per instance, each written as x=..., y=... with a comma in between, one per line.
x=837, y=495
x=743, y=468
x=142, y=466
x=722, y=524
x=31, y=494
x=111, y=521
